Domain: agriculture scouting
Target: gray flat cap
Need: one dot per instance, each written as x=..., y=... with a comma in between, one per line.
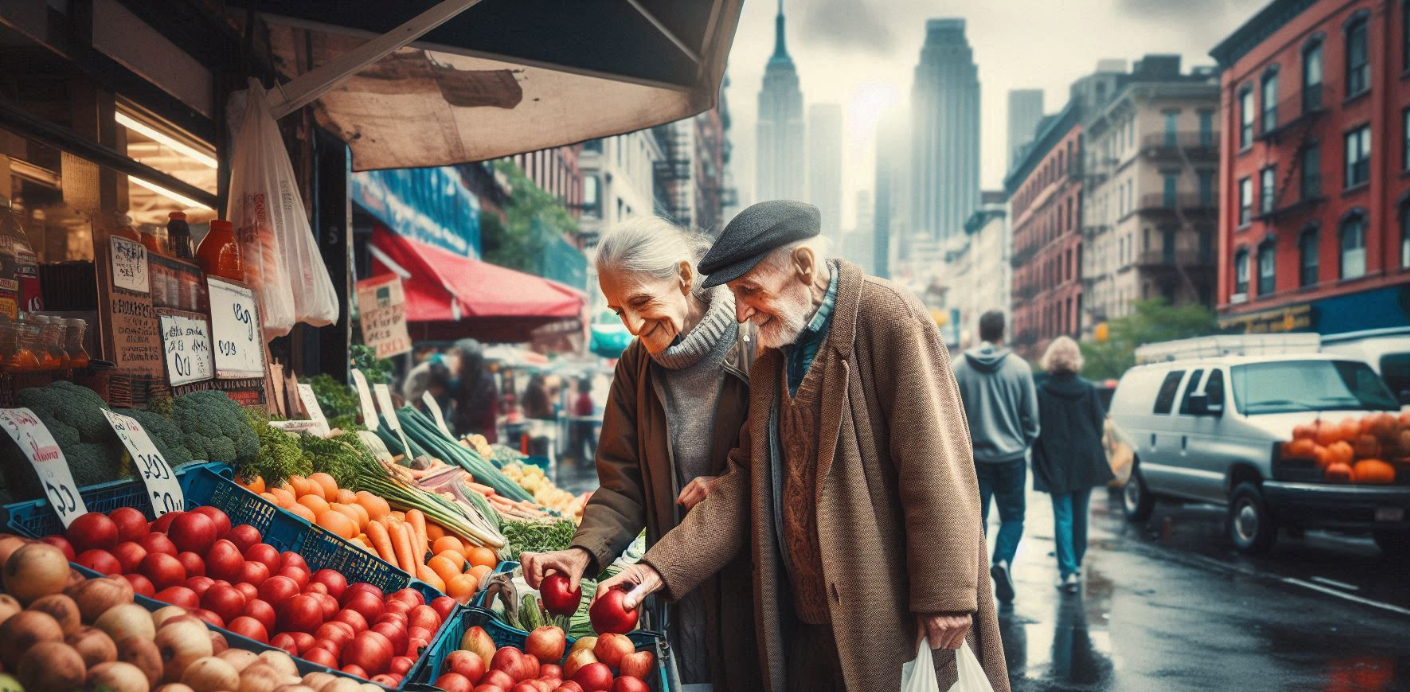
x=755, y=232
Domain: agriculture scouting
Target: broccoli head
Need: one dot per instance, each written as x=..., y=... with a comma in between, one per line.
x=165, y=435
x=74, y=417
x=79, y=408
x=215, y=427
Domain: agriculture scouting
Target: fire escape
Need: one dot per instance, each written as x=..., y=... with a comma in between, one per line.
x=1308, y=107
x=1184, y=266
x=672, y=173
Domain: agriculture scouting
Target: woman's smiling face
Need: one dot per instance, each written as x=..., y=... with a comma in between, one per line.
x=653, y=310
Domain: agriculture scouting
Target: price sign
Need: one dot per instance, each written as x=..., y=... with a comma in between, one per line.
x=130, y=265
x=382, y=312
x=186, y=344
x=315, y=412
x=435, y=408
x=237, y=330
x=384, y=402
x=38, y=445
x=161, y=483
x=364, y=396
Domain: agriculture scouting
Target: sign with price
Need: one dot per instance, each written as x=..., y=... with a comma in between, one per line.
x=186, y=344
x=314, y=411
x=382, y=311
x=236, y=329
x=384, y=402
x=435, y=408
x=364, y=397
x=38, y=445
x=130, y=265
x=162, y=486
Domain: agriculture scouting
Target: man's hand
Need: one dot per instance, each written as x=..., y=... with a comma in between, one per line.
x=638, y=580
x=695, y=491
x=945, y=630
x=570, y=563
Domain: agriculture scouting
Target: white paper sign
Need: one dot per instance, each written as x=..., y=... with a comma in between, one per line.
x=384, y=402
x=235, y=326
x=162, y=486
x=130, y=265
x=38, y=445
x=364, y=396
x=435, y=408
x=186, y=345
x=382, y=313
x=311, y=427
x=315, y=412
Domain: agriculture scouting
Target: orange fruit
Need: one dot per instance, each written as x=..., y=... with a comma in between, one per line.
x=338, y=523
x=255, y=485
x=434, y=531
x=361, y=513
x=283, y=497
x=346, y=496
x=299, y=485
x=376, y=506
x=479, y=572
x=326, y=484
x=314, y=502
x=444, y=567
x=345, y=511
x=483, y=557
x=462, y=588
x=456, y=557
x=427, y=575
x=302, y=512
x=445, y=543
x=270, y=497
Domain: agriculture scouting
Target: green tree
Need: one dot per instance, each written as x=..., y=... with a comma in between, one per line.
x=1152, y=322
x=532, y=217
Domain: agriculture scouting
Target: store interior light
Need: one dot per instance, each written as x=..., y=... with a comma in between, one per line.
x=167, y=140
x=190, y=203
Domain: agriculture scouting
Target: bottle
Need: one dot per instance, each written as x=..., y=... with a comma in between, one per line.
x=26, y=346
x=51, y=338
x=150, y=239
x=178, y=237
x=122, y=227
x=73, y=342
x=19, y=267
x=219, y=253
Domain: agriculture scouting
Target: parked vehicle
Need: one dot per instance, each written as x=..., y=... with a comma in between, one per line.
x=1207, y=428
x=1386, y=350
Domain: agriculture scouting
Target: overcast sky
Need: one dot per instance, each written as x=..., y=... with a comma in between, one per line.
x=861, y=54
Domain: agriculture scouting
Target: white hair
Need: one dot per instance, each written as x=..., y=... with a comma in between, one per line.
x=1063, y=355
x=650, y=245
x=782, y=258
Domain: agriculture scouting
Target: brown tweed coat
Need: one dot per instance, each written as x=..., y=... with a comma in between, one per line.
x=898, y=503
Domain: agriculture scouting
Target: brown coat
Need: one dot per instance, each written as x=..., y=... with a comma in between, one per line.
x=898, y=503
x=638, y=489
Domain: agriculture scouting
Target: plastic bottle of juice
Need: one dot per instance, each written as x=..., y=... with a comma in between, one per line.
x=152, y=241
x=26, y=346
x=219, y=253
x=178, y=237
x=73, y=342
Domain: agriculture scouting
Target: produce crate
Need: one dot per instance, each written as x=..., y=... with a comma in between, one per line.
x=425, y=672
x=652, y=613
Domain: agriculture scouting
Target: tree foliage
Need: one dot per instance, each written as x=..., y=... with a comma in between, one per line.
x=1152, y=322
x=532, y=217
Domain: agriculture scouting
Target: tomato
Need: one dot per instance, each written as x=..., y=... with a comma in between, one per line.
x=261, y=611
x=224, y=561
x=93, y=530
x=353, y=618
x=327, y=603
x=356, y=671
x=254, y=572
x=179, y=595
x=163, y=523
x=195, y=566
x=424, y=616
x=339, y=633
x=286, y=642
x=444, y=605
x=249, y=628
x=164, y=570
x=301, y=613
x=410, y=596
x=131, y=523
x=221, y=519
x=609, y=615
x=266, y=553
x=304, y=640
x=366, y=604
x=194, y=532
x=158, y=543
x=557, y=599
x=361, y=586
x=63, y=544
x=129, y=553
x=290, y=558
x=322, y=657
x=244, y=536
x=199, y=584
x=394, y=633
x=334, y=581
x=370, y=650
x=225, y=601
x=248, y=589
x=278, y=589
x=296, y=573
x=100, y=561
x=141, y=585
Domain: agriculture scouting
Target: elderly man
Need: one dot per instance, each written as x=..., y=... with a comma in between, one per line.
x=853, y=485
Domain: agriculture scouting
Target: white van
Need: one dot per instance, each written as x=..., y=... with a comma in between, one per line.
x=1208, y=429
x=1386, y=350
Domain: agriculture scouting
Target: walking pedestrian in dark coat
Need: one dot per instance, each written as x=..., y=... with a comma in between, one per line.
x=1068, y=458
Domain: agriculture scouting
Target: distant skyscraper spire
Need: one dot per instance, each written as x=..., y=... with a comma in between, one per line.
x=780, y=47
x=780, y=172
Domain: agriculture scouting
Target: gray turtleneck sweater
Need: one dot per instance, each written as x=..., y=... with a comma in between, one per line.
x=692, y=377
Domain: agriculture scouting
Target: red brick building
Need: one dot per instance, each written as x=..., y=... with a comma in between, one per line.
x=1314, y=233
x=1045, y=195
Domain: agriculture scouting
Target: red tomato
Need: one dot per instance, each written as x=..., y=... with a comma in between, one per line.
x=164, y=570
x=296, y=573
x=327, y=603
x=131, y=524
x=99, y=560
x=394, y=633
x=225, y=601
x=158, y=543
x=199, y=584
x=410, y=596
x=249, y=628
x=244, y=536
x=278, y=589
x=397, y=606
x=224, y=561
x=361, y=586
x=250, y=591
x=92, y=530
x=339, y=633
x=424, y=616
x=266, y=553
x=366, y=604
x=194, y=532
x=315, y=587
x=353, y=618
x=356, y=671
x=370, y=650
x=304, y=640
x=291, y=558
x=163, y=523
x=286, y=642
x=221, y=519
x=195, y=566
x=180, y=596
x=129, y=553
x=322, y=657
x=261, y=611
x=335, y=582
x=62, y=544
x=444, y=605
x=399, y=619
x=300, y=614
x=254, y=572
x=141, y=585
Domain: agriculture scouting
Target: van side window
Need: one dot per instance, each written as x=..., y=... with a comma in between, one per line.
x=1214, y=388
x=1190, y=391
x=1165, y=400
x=1395, y=370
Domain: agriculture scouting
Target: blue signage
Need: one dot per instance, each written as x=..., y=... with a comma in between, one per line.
x=429, y=205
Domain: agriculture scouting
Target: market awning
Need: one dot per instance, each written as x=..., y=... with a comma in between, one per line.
x=468, y=297
x=505, y=76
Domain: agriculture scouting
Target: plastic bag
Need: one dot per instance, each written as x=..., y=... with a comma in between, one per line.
x=277, y=248
x=919, y=675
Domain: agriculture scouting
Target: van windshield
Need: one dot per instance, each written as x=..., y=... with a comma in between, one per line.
x=1309, y=385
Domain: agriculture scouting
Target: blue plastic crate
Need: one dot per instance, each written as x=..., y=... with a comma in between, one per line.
x=428, y=669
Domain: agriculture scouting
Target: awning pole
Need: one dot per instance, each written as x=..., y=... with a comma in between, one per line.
x=307, y=87
x=689, y=52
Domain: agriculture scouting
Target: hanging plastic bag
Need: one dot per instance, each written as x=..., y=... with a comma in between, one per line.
x=919, y=675
x=278, y=250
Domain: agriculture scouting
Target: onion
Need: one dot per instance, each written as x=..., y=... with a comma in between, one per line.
x=51, y=666
x=8, y=606
x=239, y=658
x=161, y=615
x=23, y=631
x=35, y=570
x=281, y=662
x=62, y=608
x=94, y=645
x=180, y=645
x=210, y=674
x=317, y=679
x=118, y=677
x=144, y=654
x=262, y=677
x=96, y=596
x=218, y=643
x=9, y=543
x=174, y=687
x=340, y=684
x=126, y=620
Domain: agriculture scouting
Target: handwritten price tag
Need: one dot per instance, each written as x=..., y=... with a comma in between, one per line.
x=315, y=412
x=435, y=408
x=187, y=347
x=38, y=445
x=384, y=402
x=235, y=324
x=156, y=474
x=130, y=265
x=364, y=397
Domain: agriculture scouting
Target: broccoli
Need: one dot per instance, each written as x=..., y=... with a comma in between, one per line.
x=170, y=441
x=216, y=428
x=279, y=457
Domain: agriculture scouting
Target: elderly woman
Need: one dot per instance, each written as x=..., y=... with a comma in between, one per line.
x=1068, y=458
x=677, y=402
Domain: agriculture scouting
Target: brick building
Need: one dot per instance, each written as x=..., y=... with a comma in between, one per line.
x=1315, y=168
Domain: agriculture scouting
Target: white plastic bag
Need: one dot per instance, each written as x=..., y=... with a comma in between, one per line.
x=278, y=250
x=919, y=675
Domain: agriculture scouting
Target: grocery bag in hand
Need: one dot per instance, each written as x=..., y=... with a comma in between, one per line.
x=278, y=250
x=919, y=675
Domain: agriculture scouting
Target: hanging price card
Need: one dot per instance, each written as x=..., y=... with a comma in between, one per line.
x=130, y=265
x=384, y=402
x=315, y=412
x=38, y=445
x=187, y=345
x=237, y=330
x=364, y=397
x=156, y=474
x=435, y=408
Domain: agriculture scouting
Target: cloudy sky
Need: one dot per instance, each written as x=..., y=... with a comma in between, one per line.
x=861, y=54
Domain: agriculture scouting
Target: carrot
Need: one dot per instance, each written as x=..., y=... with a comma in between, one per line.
x=417, y=520
x=481, y=489
x=382, y=541
x=402, y=543
x=429, y=576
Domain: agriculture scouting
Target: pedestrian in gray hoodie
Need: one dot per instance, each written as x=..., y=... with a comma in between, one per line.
x=1001, y=405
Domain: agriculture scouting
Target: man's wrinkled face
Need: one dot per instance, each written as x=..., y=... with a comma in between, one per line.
x=776, y=299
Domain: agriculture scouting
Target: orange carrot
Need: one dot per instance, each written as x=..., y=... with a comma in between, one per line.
x=402, y=543
x=417, y=520
x=382, y=541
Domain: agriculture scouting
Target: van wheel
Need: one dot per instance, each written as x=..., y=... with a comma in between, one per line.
x=1136, y=498
x=1395, y=545
x=1251, y=528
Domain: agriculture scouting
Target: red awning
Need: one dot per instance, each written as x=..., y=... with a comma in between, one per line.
x=441, y=286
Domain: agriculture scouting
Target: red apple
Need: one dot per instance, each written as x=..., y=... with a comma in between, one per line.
x=366, y=604
x=290, y=557
x=547, y=644
x=467, y=664
x=638, y=664
x=225, y=601
x=286, y=642
x=131, y=524
x=322, y=657
x=300, y=614
x=298, y=574
x=224, y=561
x=244, y=536
x=254, y=572
x=158, y=543
x=221, y=519
x=370, y=650
x=594, y=677
x=194, y=532
x=612, y=647
x=164, y=570
x=557, y=599
x=163, y=523
x=92, y=530
x=266, y=553
x=209, y=616
x=261, y=611
x=454, y=682
x=444, y=605
x=278, y=589
x=334, y=581
x=352, y=618
x=248, y=589
x=141, y=585
x=129, y=553
x=608, y=615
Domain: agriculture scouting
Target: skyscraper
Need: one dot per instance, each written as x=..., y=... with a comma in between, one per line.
x=1025, y=110
x=825, y=167
x=781, y=169
x=944, y=132
x=892, y=169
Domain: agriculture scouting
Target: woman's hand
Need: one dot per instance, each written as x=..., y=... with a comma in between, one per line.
x=570, y=563
x=638, y=580
x=695, y=491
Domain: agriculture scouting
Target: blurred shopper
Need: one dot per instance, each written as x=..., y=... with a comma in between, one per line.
x=538, y=399
x=1002, y=408
x=433, y=375
x=582, y=443
x=473, y=392
x=678, y=400
x=1068, y=458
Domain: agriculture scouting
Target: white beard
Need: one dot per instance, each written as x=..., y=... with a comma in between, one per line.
x=782, y=329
